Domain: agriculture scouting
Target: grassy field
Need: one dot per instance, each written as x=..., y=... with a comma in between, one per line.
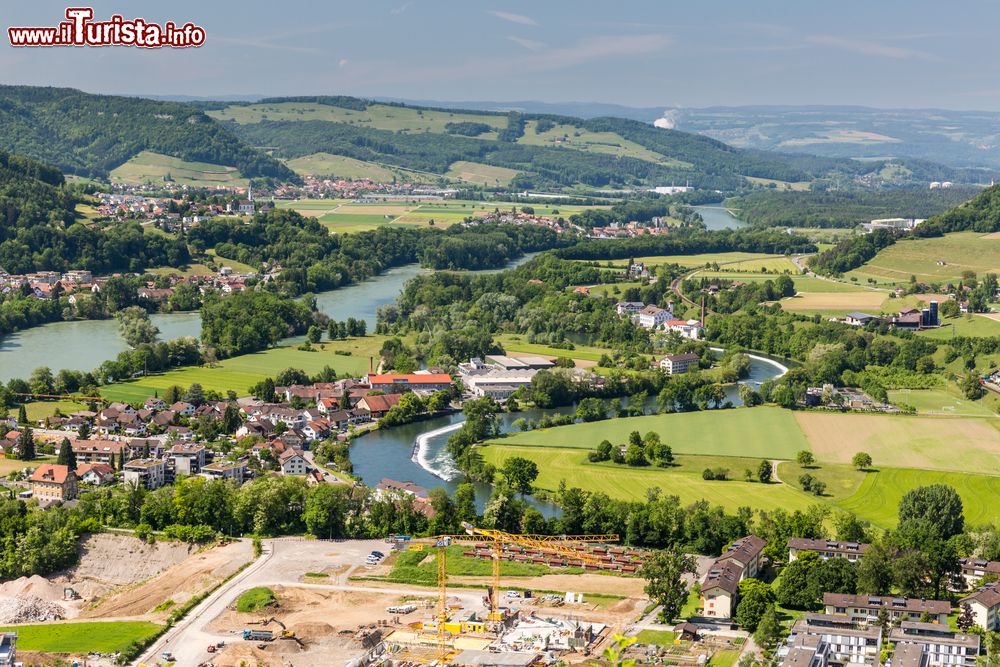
x=326, y=164
x=758, y=432
x=879, y=495
x=149, y=167
x=80, y=638
x=377, y=116
x=803, y=284
x=255, y=599
x=964, y=325
x=513, y=343
x=239, y=267
x=627, y=483
x=835, y=303
x=961, y=251
x=240, y=373
x=608, y=143
x=8, y=466
x=658, y=637
x=796, y=186
x=42, y=409
x=972, y=444
x=481, y=174
x=420, y=567
x=194, y=269
x=750, y=262
x=940, y=401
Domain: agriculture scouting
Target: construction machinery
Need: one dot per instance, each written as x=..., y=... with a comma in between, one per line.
x=567, y=546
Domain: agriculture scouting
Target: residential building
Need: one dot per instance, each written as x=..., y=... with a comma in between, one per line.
x=860, y=319
x=151, y=473
x=678, y=364
x=325, y=405
x=182, y=408
x=390, y=383
x=938, y=646
x=391, y=488
x=652, y=317
x=95, y=473
x=826, y=549
x=234, y=470
x=51, y=482
x=820, y=640
x=866, y=608
x=686, y=328
x=629, y=307
x=188, y=458
x=985, y=606
x=974, y=569
x=292, y=462
x=720, y=587
x=99, y=451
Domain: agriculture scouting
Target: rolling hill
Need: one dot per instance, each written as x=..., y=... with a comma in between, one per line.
x=91, y=135
x=546, y=150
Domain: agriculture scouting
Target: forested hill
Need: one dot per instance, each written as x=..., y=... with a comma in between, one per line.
x=38, y=229
x=89, y=135
x=545, y=150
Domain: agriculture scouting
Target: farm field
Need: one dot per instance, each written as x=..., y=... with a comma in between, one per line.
x=973, y=444
x=377, y=116
x=326, y=164
x=960, y=251
x=835, y=303
x=763, y=432
x=42, y=409
x=750, y=262
x=81, y=638
x=802, y=283
x=481, y=174
x=240, y=373
x=149, y=167
x=8, y=466
x=626, y=483
x=940, y=401
x=964, y=325
x=879, y=494
x=796, y=186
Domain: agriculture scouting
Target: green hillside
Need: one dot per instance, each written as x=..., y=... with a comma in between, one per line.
x=90, y=135
x=545, y=150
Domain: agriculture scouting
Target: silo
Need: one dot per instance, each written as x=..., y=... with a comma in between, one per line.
x=925, y=317
x=934, y=314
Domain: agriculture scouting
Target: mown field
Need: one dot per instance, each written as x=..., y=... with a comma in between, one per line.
x=764, y=432
x=627, y=483
x=326, y=164
x=946, y=401
x=803, y=284
x=965, y=325
x=513, y=343
x=481, y=174
x=81, y=638
x=240, y=373
x=961, y=251
x=576, y=138
x=149, y=167
x=750, y=262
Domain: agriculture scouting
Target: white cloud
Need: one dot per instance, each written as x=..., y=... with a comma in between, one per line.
x=529, y=44
x=877, y=48
x=513, y=18
x=342, y=63
x=399, y=10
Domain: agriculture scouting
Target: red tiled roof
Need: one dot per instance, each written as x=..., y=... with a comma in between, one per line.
x=411, y=378
x=51, y=472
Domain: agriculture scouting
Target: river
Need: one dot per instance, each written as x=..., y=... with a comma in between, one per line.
x=718, y=217
x=83, y=345
x=416, y=452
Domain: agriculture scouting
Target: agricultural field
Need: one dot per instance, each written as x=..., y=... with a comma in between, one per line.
x=240, y=373
x=933, y=260
x=515, y=344
x=879, y=494
x=326, y=164
x=480, y=174
x=973, y=444
x=82, y=638
x=796, y=186
x=802, y=283
x=836, y=303
x=748, y=262
x=42, y=409
x=8, y=466
x=965, y=325
x=193, y=269
x=556, y=464
x=764, y=432
x=149, y=167
x=609, y=143
x=377, y=116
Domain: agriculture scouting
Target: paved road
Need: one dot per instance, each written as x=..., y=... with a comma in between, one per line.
x=282, y=562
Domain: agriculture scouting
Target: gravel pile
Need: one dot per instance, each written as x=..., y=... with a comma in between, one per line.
x=28, y=609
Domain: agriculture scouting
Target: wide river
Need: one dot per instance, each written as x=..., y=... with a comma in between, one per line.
x=718, y=217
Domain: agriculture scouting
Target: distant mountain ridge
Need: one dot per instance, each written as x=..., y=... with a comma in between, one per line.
x=90, y=135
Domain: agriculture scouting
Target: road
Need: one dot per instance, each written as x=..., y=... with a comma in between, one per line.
x=282, y=562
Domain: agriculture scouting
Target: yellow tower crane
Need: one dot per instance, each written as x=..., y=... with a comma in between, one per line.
x=562, y=545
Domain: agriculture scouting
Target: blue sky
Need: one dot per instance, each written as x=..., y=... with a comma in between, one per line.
x=884, y=53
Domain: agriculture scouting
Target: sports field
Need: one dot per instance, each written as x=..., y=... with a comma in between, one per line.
x=240, y=373
x=945, y=401
x=81, y=638
x=149, y=167
x=627, y=483
x=764, y=432
x=933, y=259
x=960, y=444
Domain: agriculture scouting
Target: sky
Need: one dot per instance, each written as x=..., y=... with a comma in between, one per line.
x=882, y=53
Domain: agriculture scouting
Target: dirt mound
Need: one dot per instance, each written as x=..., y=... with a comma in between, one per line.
x=35, y=585
x=29, y=609
x=103, y=557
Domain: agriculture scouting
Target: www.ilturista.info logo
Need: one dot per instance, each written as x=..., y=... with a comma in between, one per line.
x=81, y=30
